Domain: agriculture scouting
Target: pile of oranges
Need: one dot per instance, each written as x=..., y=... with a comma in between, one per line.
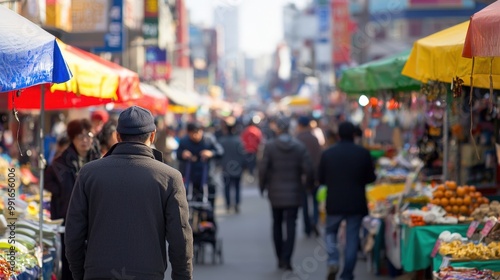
x=458, y=200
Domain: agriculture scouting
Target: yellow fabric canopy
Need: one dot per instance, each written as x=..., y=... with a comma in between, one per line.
x=179, y=109
x=90, y=76
x=438, y=57
x=295, y=101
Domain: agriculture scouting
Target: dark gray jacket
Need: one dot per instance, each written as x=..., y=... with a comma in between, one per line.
x=313, y=147
x=234, y=157
x=285, y=170
x=123, y=209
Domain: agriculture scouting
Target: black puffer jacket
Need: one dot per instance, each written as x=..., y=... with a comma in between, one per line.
x=282, y=170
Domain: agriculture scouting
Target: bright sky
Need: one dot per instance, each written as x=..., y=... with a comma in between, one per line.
x=261, y=21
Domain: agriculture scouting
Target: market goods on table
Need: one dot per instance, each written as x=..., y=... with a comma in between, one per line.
x=453, y=273
x=460, y=250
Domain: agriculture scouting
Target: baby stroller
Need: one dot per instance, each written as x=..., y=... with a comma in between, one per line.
x=202, y=219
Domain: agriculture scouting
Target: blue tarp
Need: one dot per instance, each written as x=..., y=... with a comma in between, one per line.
x=28, y=54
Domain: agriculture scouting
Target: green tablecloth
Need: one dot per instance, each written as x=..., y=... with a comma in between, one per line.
x=493, y=265
x=417, y=244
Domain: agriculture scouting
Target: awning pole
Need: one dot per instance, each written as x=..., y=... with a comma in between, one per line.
x=41, y=167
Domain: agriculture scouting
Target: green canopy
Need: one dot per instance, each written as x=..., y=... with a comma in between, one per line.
x=382, y=74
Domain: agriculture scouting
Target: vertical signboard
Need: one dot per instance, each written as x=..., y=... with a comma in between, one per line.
x=341, y=20
x=323, y=36
x=150, y=25
x=114, y=38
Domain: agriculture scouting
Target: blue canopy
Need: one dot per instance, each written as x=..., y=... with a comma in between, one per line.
x=28, y=54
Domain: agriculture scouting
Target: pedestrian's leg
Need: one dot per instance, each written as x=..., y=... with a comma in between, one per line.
x=315, y=213
x=353, y=227
x=227, y=191
x=237, y=187
x=212, y=188
x=305, y=214
x=291, y=224
x=278, y=233
x=197, y=191
x=331, y=231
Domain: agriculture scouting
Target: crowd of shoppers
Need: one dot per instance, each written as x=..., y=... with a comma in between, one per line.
x=289, y=164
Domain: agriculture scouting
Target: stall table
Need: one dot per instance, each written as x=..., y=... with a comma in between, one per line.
x=417, y=244
x=493, y=265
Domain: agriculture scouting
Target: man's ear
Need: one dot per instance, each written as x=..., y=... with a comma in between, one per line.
x=152, y=138
x=118, y=138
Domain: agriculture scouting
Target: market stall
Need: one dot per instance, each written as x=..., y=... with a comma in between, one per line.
x=29, y=58
x=476, y=254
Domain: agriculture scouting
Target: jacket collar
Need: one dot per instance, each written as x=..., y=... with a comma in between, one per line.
x=134, y=148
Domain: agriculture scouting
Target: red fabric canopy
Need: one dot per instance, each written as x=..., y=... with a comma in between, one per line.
x=29, y=98
x=483, y=35
x=152, y=99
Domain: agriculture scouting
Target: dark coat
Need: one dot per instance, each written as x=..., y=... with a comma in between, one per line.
x=234, y=157
x=284, y=165
x=313, y=147
x=208, y=142
x=123, y=210
x=346, y=169
x=60, y=177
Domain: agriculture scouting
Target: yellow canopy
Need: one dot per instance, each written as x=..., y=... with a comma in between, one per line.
x=179, y=109
x=438, y=57
x=295, y=101
x=90, y=76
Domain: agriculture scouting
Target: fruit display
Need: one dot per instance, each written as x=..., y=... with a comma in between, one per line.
x=457, y=249
x=458, y=200
x=454, y=273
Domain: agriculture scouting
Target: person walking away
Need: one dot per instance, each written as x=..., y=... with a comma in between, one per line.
x=305, y=136
x=232, y=163
x=60, y=175
x=124, y=209
x=197, y=151
x=252, y=139
x=284, y=164
x=345, y=169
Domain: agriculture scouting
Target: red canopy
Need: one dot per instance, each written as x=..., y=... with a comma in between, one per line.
x=483, y=35
x=29, y=98
x=152, y=99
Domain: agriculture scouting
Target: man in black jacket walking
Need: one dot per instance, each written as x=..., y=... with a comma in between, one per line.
x=125, y=207
x=345, y=169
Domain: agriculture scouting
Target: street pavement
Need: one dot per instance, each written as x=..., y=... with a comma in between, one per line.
x=248, y=249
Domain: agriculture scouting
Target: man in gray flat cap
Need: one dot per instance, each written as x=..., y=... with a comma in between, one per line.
x=125, y=206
